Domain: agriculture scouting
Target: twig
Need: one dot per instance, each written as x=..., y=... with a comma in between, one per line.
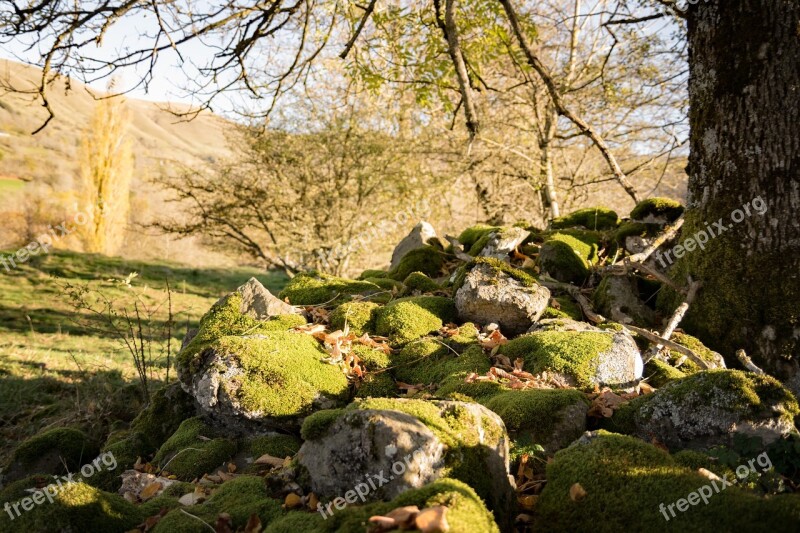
x=668, y=235
x=621, y=269
x=575, y=292
x=748, y=363
x=652, y=337
x=676, y=318
x=363, y=22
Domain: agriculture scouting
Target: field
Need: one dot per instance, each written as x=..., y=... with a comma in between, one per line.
x=59, y=365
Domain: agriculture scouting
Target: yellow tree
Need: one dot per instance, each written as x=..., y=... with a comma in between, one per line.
x=106, y=168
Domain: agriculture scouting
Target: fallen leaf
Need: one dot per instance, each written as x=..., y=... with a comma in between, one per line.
x=191, y=498
x=313, y=501
x=150, y=490
x=267, y=459
x=253, y=524
x=527, y=501
x=404, y=516
x=576, y=492
x=432, y=520
x=292, y=501
x=224, y=524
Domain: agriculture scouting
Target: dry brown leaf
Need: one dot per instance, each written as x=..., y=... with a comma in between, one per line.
x=224, y=524
x=232, y=468
x=253, y=524
x=432, y=520
x=708, y=474
x=379, y=524
x=313, y=501
x=404, y=516
x=150, y=490
x=577, y=492
x=292, y=501
x=527, y=501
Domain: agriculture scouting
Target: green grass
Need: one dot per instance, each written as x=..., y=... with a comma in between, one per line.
x=58, y=366
x=9, y=185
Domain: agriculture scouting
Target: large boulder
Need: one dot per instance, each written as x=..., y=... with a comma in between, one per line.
x=710, y=408
x=417, y=238
x=401, y=444
x=583, y=358
x=493, y=292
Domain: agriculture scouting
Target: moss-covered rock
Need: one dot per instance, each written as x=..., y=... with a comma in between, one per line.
x=665, y=209
x=658, y=373
x=387, y=284
x=428, y=260
x=567, y=308
x=617, y=297
x=315, y=288
x=275, y=444
x=419, y=283
x=688, y=366
x=630, y=485
x=566, y=258
x=454, y=439
x=473, y=234
x=372, y=273
x=408, y=319
x=429, y=362
x=359, y=316
x=194, y=450
x=239, y=498
x=75, y=507
x=584, y=357
x=56, y=451
x=593, y=218
x=710, y=408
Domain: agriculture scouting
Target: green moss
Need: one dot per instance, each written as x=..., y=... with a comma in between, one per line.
x=359, y=316
x=428, y=260
x=314, y=288
x=534, y=411
x=373, y=274
x=71, y=446
x=417, y=281
x=76, y=507
x=168, y=407
x=282, y=373
x=694, y=344
x=658, y=373
x=473, y=234
x=298, y=521
x=377, y=385
x=573, y=353
x=593, y=218
x=566, y=258
x=386, y=284
x=627, y=481
x=239, y=498
x=316, y=425
x=497, y=266
x=632, y=228
x=409, y=319
x=428, y=362
x=568, y=309
x=666, y=207
x=275, y=445
x=192, y=452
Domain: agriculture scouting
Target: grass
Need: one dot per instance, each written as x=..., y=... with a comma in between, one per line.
x=9, y=185
x=56, y=369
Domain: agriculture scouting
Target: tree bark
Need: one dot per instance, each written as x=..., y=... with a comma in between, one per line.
x=744, y=90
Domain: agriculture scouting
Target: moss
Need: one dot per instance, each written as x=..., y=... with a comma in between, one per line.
x=192, y=452
x=566, y=258
x=627, y=481
x=316, y=425
x=314, y=288
x=282, y=373
x=534, y=411
x=168, y=407
x=359, y=316
x=275, y=445
x=428, y=260
x=386, y=284
x=76, y=507
x=473, y=234
x=239, y=498
x=428, y=362
x=373, y=274
x=657, y=207
x=658, y=373
x=573, y=353
x=69, y=449
x=568, y=308
x=497, y=266
x=296, y=522
x=410, y=318
x=632, y=228
x=593, y=218
x=417, y=281
x=377, y=385
x=694, y=344
x=127, y=446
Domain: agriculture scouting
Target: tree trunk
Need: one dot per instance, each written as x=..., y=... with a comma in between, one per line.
x=546, y=163
x=744, y=90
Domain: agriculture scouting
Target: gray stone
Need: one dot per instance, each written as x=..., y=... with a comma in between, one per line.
x=489, y=295
x=259, y=303
x=502, y=243
x=417, y=238
x=618, y=298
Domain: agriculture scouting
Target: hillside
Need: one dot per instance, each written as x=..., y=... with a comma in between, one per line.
x=159, y=137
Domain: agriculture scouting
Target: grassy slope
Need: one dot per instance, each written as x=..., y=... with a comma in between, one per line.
x=56, y=371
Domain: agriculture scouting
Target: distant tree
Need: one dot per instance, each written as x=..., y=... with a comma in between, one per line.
x=105, y=172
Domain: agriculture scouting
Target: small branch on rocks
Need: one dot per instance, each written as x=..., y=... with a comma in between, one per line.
x=457, y=250
x=747, y=362
x=621, y=269
x=676, y=318
x=668, y=235
x=577, y=295
x=652, y=337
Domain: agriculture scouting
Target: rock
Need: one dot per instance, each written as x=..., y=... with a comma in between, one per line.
x=562, y=324
x=411, y=443
x=617, y=297
x=138, y=486
x=407, y=319
x=258, y=303
x=55, y=451
x=314, y=288
x=503, y=242
x=591, y=218
x=583, y=358
x=567, y=258
x=417, y=238
x=710, y=408
x=660, y=211
x=193, y=450
x=494, y=292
